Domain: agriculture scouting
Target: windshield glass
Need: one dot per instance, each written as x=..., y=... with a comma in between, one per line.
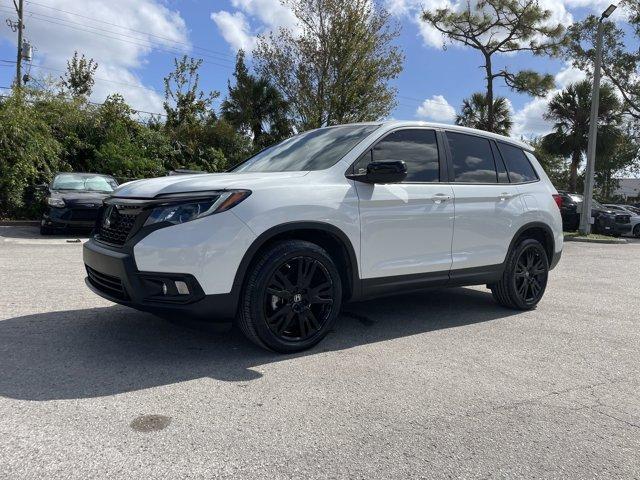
x=314, y=150
x=81, y=182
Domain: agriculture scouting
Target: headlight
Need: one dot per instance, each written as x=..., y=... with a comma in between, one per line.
x=186, y=210
x=55, y=202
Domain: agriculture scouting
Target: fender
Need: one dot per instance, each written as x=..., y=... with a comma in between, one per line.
x=552, y=254
x=273, y=232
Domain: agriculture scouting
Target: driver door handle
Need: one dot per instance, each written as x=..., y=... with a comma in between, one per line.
x=440, y=197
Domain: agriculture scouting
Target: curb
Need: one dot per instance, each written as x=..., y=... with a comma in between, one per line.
x=612, y=241
x=19, y=223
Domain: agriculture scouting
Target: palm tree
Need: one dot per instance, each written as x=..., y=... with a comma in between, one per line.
x=256, y=107
x=475, y=114
x=570, y=110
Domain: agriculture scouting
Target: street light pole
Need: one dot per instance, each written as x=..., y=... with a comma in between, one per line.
x=585, y=219
x=20, y=11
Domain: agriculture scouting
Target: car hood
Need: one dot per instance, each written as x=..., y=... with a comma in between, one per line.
x=79, y=197
x=153, y=187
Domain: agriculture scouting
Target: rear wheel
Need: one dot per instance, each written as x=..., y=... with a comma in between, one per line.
x=525, y=276
x=291, y=298
x=45, y=230
x=636, y=231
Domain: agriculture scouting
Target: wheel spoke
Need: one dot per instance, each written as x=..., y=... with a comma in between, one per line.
x=312, y=320
x=285, y=295
x=285, y=322
x=278, y=314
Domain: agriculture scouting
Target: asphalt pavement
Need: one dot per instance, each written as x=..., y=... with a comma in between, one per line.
x=440, y=384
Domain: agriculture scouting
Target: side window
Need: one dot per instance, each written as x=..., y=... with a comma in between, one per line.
x=472, y=159
x=418, y=148
x=518, y=166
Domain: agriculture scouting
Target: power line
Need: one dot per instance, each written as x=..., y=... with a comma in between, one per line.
x=215, y=52
x=148, y=44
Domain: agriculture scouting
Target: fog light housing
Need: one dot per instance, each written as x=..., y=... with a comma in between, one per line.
x=182, y=287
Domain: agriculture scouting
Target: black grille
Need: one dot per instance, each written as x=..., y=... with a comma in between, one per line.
x=108, y=284
x=115, y=225
x=623, y=218
x=84, y=214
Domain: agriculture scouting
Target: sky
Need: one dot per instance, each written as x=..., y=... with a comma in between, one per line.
x=135, y=41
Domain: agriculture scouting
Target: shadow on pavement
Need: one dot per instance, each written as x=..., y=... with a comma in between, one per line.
x=110, y=350
x=27, y=232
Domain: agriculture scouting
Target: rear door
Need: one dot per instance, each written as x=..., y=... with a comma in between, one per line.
x=488, y=208
x=406, y=228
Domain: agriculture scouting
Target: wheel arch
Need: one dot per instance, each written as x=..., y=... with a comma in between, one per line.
x=325, y=235
x=539, y=231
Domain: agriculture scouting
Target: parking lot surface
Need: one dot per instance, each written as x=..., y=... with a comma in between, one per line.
x=431, y=385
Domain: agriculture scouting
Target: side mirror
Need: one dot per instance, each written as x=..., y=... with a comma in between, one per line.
x=42, y=187
x=391, y=171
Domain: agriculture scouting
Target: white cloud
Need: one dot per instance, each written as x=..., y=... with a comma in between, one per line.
x=118, y=51
x=529, y=121
x=241, y=27
x=437, y=109
x=234, y=28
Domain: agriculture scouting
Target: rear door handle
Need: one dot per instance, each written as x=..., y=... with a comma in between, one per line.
x=505, y=196
x=440, y=197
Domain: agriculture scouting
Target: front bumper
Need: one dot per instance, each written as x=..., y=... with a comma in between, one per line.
x=113, y=274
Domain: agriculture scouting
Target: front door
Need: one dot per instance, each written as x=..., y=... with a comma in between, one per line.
x=406, y=228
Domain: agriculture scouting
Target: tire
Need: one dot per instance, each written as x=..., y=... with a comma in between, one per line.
x=291, y=298
x=636, y=231
x=525, y=276
x=44, y=230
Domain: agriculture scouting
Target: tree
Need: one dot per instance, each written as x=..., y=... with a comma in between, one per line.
x=475, y=114
x=78, y=79
x=495, y=27
x=622, y=158
x=185, y=104
x=255, y=106
x=570, y=111
x=199, y=140
x=620, y=58
x=554, y=164
x=336, y=67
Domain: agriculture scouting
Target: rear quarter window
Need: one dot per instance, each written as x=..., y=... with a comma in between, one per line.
x=518, y=166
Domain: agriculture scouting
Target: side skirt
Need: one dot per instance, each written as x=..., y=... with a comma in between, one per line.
x=398, y=284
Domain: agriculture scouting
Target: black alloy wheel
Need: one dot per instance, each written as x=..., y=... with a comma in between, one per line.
x=292, y=297
x=298, y=299
x=531, y=274
x=636, y=231
x=524, y=279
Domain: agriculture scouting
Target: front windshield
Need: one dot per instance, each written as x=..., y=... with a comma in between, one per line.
x=314, y=150
x=87, y=183
x=598, y=205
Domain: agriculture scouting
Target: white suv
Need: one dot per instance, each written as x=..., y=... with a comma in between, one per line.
x=331, y=215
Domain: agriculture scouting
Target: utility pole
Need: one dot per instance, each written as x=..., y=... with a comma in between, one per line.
x=20, y=10
x=585, y=218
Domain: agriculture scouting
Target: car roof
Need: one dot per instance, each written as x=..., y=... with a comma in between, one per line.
x=453, y=128
x=85, y=174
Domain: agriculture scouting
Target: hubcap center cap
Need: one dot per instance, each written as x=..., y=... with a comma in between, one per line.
x=297, y=298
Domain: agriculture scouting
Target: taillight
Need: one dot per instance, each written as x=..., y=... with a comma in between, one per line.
x=558, y=199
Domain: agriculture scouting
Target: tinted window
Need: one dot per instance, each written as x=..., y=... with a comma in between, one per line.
x=518, y=166
x=472, y=159
x=417, y=148
x=314, y=150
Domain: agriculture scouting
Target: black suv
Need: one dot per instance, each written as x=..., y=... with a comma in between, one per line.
x=605, y=221
x=72, y=201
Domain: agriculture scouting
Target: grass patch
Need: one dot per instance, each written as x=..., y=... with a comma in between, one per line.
x=591, y=236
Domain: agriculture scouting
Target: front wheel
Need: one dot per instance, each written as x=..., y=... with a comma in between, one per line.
x=525, y=276
x=291, y=298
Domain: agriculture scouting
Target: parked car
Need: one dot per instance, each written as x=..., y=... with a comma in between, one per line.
x=605, y=220
x=635, y=216
x=570, y=210
x=72, y=201
x=331, y=215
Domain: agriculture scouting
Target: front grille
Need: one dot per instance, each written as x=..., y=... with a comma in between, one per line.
x=83, y=214
x=115, y=226
x=108, y=284
x=623, y=218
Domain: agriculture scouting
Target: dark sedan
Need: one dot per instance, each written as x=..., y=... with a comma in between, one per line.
x=73, y=200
